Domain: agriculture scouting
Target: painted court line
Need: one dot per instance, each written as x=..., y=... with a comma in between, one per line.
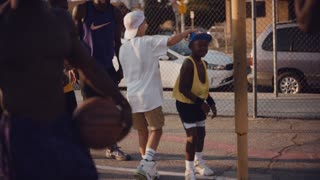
x=162, y=173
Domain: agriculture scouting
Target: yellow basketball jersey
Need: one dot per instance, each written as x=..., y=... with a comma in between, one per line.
x=198, y=88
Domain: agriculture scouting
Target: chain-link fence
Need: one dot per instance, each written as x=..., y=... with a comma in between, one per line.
x=298, y=55
x=163, y=17
x=297, y=63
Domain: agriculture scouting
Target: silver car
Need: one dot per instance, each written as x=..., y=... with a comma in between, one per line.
x=298, y=59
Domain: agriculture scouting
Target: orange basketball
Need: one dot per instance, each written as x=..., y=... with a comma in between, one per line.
x=99, y=122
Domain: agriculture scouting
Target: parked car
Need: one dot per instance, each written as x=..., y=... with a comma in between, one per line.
x=220, y=66
x=298, y=59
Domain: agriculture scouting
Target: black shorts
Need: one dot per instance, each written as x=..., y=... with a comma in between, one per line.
x=190, y=113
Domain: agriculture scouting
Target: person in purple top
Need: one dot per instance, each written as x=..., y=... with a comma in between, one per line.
x=100, y=26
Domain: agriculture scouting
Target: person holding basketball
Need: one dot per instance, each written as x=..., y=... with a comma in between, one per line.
x=44, y=143
x=193, y=103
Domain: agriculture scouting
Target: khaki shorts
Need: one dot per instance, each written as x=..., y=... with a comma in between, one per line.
x=154, y=119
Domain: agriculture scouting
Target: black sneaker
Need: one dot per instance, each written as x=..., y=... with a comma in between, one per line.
x=116, y=153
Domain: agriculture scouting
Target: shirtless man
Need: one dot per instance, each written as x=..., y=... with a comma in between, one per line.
x=34, y=41
x=308, y=14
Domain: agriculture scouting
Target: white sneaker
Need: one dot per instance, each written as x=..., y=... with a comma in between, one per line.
x=147, y=170
x=202, y=169
x=190, y=175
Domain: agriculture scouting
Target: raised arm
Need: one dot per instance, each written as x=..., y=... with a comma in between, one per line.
x=177, y=38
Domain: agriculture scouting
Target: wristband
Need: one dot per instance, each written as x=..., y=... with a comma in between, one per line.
x=210, y=101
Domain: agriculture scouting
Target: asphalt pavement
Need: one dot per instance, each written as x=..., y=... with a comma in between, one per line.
x=277, y=148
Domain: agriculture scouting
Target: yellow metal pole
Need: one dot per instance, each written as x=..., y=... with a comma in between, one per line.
x=238, y=14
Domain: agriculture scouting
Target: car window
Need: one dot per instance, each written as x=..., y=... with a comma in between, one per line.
x=294, y=40
x=182, y=48
x=284, y=40
x=306, y=42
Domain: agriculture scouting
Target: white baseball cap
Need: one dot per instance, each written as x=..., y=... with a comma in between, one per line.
x=131, y=22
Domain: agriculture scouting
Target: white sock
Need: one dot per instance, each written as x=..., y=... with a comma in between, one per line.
x=189, y=165
x=149, y=154
x=198, y=157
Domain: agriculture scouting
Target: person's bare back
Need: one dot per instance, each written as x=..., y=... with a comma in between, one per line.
x=33, y=45
x=34, y=42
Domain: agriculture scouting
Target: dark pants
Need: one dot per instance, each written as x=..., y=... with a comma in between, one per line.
x=71, y=101
x=48, y=150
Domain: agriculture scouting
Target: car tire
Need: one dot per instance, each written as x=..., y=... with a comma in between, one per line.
x=290, y=83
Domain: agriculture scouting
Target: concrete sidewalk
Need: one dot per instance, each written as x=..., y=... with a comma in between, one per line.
x=278, y=149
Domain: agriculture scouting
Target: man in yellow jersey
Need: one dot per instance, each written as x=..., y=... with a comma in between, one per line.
x=191, y=91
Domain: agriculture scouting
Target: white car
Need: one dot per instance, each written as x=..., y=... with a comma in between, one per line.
x=220, y=66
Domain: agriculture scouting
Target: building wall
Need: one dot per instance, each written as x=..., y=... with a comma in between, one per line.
x=262, y=22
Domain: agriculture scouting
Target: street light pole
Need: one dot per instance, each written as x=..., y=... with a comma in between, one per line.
x=192, y=19
x=254, y=57
x=182, y=8
x=240, y=84
x=275, y=56
x=182, y=22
